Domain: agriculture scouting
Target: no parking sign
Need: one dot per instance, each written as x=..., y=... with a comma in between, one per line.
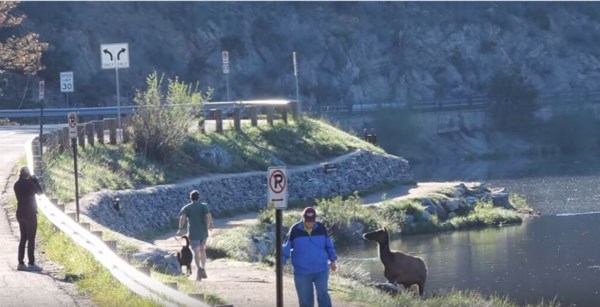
x=277, y=187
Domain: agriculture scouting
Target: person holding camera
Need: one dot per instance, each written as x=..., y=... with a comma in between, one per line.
x=25, y=190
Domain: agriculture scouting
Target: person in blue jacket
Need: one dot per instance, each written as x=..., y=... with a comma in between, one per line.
x=313, y=255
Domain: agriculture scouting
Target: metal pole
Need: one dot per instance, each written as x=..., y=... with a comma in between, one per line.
x=74, y=145
x=297, y=90
x=278, y=264
x=227, y=81
x=41, y=140
x=296, y=76
x=68, y=105
x=118, y=104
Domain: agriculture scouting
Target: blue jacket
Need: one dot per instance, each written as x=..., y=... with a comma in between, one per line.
x=310, y=253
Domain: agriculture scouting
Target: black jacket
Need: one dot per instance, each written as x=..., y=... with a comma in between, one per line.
x=25, y=190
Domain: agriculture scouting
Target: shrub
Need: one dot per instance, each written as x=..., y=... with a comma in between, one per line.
x=392, y=216
x=340, y=215
x=161, y=122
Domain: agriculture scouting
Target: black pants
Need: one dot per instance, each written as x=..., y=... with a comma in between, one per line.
x=28, y=229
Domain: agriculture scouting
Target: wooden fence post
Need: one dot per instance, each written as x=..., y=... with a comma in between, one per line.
x=99, y=127
x=81, y=135
x=218, y=114
x=66, y=140
x=253, y=115
x=237, y=119
x=89, y=133
x=270, y=115
x=111, y=123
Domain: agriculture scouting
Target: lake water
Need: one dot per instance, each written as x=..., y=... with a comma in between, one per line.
x=555, y=256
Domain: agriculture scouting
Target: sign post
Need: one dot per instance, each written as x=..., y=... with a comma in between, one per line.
x=72, y=121
x=225, y=57
x=66, y=84
x=296, y=76
x=277, y=183
x=42, y=89
x=115, y=56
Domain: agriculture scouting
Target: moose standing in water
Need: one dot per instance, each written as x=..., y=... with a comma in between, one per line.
x=399, y=267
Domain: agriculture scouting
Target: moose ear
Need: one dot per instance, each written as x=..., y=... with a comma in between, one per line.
x=385, y=229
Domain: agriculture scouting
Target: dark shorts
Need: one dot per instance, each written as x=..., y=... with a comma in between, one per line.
x=196, y=244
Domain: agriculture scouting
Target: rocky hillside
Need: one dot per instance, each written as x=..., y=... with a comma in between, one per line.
x=348, y=52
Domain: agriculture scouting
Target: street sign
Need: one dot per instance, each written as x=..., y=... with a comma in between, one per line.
x=225, y=57
x=72, y=121
x=66, y=82
x=41, y=90
x=277, y=187
x=114, y=55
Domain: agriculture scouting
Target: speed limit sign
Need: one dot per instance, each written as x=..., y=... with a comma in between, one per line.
x=66, y=82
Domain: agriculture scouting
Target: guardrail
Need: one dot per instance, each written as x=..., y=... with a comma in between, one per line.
x=57, y=112
x=424, y=105
x=133, y=279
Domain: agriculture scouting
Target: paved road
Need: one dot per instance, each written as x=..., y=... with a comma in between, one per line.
x=25, y=288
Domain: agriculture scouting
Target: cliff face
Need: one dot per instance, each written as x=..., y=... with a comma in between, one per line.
x=348, y=52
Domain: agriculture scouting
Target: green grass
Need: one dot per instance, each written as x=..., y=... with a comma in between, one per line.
x=100, y=167
x=354, y=291
x=188, y=286
x=117, y=167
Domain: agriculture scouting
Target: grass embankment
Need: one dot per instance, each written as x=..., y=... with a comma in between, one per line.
x=255, y=148
x=120, y=167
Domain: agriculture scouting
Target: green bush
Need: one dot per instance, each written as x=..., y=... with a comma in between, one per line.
x=161, y=121
x=392, y=215
x=485, y=214
x=339, y=215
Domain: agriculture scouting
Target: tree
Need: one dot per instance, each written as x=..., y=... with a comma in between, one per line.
x=161, y=121
x=20, y=57
x=19, y=54
x=512, y=101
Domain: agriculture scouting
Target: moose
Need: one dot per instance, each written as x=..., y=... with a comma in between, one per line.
x=399, y=267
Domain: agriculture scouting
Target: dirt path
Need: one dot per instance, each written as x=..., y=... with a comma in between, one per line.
x=240, y=283
x=249, y=284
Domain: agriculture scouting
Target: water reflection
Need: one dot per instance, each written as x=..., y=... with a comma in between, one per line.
x=544, y=258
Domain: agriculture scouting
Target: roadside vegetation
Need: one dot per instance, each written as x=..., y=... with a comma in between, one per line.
x=348, y=218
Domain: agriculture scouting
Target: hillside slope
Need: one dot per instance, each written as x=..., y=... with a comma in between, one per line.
x=348, y=52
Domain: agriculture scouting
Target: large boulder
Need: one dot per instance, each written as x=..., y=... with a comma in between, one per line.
x=501, y=199
x=451, y=205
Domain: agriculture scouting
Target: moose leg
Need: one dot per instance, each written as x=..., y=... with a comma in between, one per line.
x=421, y=288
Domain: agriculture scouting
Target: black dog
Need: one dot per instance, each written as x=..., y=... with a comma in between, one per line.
x=185, y=256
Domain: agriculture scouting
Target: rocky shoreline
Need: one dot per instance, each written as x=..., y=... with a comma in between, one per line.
x=443, y=203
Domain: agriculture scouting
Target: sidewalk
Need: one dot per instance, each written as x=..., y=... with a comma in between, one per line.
x=26, y=288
